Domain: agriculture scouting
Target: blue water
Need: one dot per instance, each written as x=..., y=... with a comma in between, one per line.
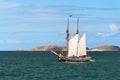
x=44, y=66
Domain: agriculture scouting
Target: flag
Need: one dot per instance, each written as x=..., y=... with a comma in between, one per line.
x=70, y=15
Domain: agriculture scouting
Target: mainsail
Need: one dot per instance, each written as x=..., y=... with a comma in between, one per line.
x=72, y=46
x=82, y=46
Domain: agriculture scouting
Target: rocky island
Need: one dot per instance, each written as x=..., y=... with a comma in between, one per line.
x=106, y=48
x=63, y=48
x=20, y=49
x=47, y=48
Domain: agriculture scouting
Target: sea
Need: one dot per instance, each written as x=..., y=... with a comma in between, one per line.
x=28, y=65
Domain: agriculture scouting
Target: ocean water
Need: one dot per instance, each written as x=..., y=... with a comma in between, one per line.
x=44, y=66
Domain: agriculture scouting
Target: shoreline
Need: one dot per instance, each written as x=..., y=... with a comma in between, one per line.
x=63, y=48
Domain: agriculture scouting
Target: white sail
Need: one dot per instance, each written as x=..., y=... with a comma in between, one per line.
x=72, y=46
x=82, y=46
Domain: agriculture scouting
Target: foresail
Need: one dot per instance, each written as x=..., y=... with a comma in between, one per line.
x=82, y=46
x=72, y=46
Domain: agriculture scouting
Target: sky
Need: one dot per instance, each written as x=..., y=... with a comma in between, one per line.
x=30, y=23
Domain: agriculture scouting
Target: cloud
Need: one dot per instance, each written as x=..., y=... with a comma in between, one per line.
x=10, y=41
x=113, y=31
x=6, y=5
x=99, y=8
x=12, y=12
x=100, y=34
x=113, y=28
x=24, y=17
x=28, y=13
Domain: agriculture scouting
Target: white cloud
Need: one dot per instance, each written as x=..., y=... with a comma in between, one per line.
x=4, y=5
x=10, y=41
x=113, y=31
x=28, y=13
x=100, y=34
x=113, y=27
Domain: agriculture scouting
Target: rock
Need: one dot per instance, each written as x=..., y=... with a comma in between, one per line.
x=20, y=49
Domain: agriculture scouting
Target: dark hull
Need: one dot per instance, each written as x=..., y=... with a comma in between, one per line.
x=75, y=59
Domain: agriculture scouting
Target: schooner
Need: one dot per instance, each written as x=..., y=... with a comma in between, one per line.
x=76, y=47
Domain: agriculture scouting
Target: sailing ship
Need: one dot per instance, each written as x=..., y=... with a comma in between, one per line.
x=76, y=47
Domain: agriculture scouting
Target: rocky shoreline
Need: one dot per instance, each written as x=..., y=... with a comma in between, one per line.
x=63, y=48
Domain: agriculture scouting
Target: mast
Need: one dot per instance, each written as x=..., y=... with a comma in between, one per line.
x=77, y=32
x=67, y=35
